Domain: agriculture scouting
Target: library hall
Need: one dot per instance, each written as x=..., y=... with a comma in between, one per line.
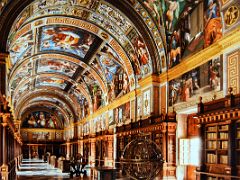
x=120, y=89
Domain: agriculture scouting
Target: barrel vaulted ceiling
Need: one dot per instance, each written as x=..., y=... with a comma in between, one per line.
x=75, y=56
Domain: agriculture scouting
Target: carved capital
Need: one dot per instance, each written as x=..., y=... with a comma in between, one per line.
x=3, y=57
x=5, y=117
x=4, y=124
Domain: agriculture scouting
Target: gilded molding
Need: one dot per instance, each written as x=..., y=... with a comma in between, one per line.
x=149, y=80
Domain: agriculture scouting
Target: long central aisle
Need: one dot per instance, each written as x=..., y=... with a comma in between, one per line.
x=39, y=170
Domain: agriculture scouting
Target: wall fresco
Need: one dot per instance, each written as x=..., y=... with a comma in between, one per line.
x=191, y=26
x=203, y=79
x=119, y=115
x=40, y=119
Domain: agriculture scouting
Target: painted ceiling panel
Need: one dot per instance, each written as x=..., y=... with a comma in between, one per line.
x=24, y=72
x=65, y=39
x=56, y=66
x=22, y=47
x=51, y=81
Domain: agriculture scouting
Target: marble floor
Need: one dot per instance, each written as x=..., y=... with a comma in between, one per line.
x=36, y=169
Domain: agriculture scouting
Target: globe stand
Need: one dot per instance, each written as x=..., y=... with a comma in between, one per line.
x=142, y=159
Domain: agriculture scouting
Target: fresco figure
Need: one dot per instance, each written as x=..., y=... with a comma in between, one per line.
x=67, y=39
x=213, y=26
x=141, y=51
x=175, y=49
x=125, y=84
x=136, y=65
x=214, y=74
x=173, y=11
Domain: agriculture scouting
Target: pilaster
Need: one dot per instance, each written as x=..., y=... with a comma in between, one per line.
x=4, y=167
x=169, y=167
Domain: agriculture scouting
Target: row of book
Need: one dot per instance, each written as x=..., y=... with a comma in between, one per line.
x=223, y=159
x=211, y=135
x=238, y=134
x=212, y=144
x=225, y=127
x=212, y=158
x=223, y=135
x=212, y=128
x=223, y=145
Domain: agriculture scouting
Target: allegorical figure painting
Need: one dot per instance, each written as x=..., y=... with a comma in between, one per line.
x=65, y=39
x=56, y=66
x=203, y=79
x=40, y=120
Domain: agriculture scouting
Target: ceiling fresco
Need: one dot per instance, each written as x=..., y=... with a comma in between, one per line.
x=88, y=50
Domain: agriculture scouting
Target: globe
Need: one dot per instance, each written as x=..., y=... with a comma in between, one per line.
x=142, y=159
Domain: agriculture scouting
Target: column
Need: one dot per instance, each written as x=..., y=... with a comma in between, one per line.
x=108, y=161
x=29, y=152
x=80, y=147
x=3, y=57
x=93, y=152
x=68, y=151
x=4, y=167
x=181, y=133
x=115, y=148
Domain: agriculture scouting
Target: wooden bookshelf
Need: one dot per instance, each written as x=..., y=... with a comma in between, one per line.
x=219, y=123
x=237, y=144
x=217, y=143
